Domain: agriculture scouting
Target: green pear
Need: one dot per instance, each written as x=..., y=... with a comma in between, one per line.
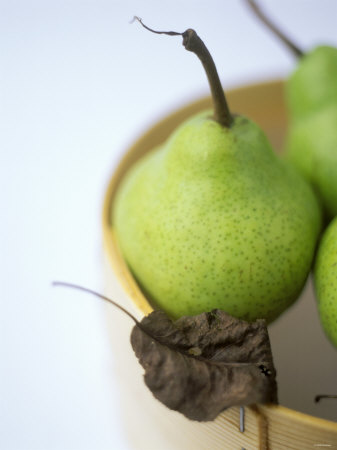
x=214, y=219
x=312, y=138
x=325, y=277
x=312, y=148
x=311, y=100
x=312, y=86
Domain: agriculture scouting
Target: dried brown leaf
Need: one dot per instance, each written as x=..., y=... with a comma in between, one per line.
x=201, y=365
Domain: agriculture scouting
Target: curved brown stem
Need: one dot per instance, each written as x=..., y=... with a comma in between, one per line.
x=193, y=43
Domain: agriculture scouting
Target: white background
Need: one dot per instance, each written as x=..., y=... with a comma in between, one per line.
x=77, y=84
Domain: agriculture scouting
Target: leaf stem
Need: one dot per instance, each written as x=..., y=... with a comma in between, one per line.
x=193, y=43
x=89, y=291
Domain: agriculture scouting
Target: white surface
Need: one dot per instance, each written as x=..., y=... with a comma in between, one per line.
x=77, y=84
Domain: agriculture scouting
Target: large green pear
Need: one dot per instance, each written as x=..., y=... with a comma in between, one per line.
x=325, y=277
x=214, y=219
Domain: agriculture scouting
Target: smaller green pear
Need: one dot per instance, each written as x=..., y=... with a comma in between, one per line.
x=312, y=86
x=311, y=101
x=325, y=278
x=311, y=143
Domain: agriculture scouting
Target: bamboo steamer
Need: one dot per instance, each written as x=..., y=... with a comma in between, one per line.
x=149, y=424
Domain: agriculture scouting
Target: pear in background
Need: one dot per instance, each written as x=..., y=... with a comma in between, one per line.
x=312, y=138
x=214, y=219
x=325, y=277
x=311, y=97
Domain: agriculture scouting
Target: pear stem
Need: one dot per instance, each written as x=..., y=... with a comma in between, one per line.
x=272, y=27
x=193, y=43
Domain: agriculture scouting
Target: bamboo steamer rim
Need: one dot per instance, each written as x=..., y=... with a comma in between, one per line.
x=278, y=417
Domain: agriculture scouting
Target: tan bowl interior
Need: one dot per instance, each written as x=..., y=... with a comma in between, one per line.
x=266, y=426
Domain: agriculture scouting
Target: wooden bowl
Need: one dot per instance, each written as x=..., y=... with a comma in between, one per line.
x=305, y=361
